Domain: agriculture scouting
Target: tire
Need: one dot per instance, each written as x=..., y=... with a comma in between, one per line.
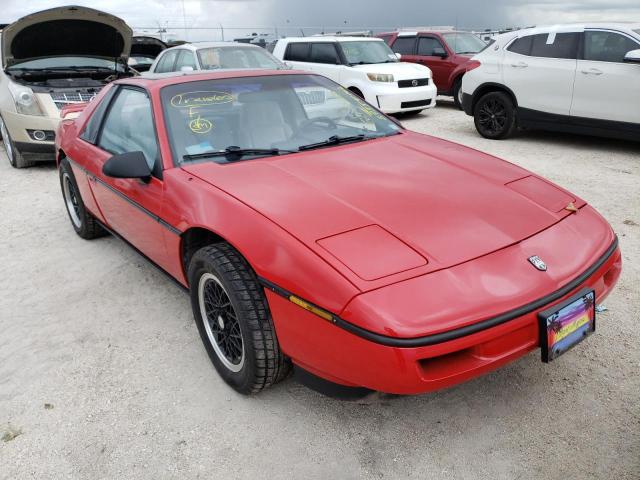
x=240, y=339
x=457, y=93
x=15, y=157
x=85, y=224
x=495, y=116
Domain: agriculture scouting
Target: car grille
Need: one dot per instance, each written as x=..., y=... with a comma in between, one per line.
x=66, y=98
x=311, y=98
x=420, y=82
x=417, y=103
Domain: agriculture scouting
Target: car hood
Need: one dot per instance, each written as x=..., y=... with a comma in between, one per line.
x=147, y=46
x=393, y=208
x=400, y=70
x=66, y=31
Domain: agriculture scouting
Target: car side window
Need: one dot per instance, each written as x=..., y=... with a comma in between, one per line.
x=165, y=64
x=601, y=46
x=521, y=45
x=324, y=53
x=555, y=45
x=297, y=52
x=92, y=127
x=429, y=46
x=404, y=45
x=185, y=59
x=128, y=126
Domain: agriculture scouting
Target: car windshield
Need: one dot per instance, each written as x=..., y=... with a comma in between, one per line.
x=214, y=58
x=367, y=51
x=140, y=60
x=277, y=113
x=60, y=63
x=462, y=43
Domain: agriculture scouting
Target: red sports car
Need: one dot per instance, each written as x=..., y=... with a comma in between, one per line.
x=312, y=230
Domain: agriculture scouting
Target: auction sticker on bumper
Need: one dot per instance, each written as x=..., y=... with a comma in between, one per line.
x=565, y=325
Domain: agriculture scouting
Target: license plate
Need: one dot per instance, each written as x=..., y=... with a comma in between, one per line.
x=565, y=325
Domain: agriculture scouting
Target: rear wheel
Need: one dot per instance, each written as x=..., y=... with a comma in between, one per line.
x=495, y=115
x=233, y=319
x=15, y=157
x=82, y=221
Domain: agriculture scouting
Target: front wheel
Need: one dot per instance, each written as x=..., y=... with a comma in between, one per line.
x=16, y=159
x=85, y=224
x=495, y=116
x=233, y=319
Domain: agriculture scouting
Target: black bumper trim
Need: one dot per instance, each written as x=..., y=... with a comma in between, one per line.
x=28, y=147
x=462, y=331
x=467, y=103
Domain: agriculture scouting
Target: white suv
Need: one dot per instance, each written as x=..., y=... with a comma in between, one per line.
x=366, y=66
x=571, y=78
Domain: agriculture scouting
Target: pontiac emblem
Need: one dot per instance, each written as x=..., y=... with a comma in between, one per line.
x=414, y=83
x=537, y=262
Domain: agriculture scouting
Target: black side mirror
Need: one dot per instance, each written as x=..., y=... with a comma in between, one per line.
x=128, y=165
x=439, y=52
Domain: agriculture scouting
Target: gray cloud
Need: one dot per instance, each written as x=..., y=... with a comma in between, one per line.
x=203, y=17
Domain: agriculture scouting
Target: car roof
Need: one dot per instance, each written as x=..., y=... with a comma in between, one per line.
x=575, y=27
x=330, y=39
x=199, y=45
x=160, y=80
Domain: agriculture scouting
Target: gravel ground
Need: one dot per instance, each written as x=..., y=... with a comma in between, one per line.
x=103, y=376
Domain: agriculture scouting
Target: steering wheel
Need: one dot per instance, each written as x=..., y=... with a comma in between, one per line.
x=330, y=124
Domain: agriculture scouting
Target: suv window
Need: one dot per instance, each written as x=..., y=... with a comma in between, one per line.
x=559, y=45
x=324, y=53
x=166, y=62
x=427, y=46
x=185, y=59
x=404, y=45
x=602, y=46
x=521, y=45
x=297, y=52
x=128, y=126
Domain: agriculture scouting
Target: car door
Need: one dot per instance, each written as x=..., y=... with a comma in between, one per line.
x=540, y=70
x=405, y=45
x=433, y=54
x=130, y=207
x=296, y=55
x=325, y=60
x=186, y=61
x=166, y=62
x=606, y=87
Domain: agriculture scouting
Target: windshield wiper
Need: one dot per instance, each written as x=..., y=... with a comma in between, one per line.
x=233, y=153
x=336, y=140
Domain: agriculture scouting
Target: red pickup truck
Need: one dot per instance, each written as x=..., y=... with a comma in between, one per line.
x=446, y=53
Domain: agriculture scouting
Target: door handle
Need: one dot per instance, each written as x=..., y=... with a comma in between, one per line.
x=592, y=71
x=520, y=65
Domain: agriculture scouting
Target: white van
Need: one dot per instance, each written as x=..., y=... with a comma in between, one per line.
x=366, y=66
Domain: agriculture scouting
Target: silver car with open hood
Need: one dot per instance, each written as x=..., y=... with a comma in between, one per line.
x=50, y=59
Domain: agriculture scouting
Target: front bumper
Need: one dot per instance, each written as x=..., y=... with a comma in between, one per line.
x=18, y=124
x=467, y=103
x=392, y=99
x=389, y=361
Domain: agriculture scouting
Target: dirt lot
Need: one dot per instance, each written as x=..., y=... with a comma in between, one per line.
x=103, y=376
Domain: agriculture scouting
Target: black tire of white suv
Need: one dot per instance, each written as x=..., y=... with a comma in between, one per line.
x=494, y=115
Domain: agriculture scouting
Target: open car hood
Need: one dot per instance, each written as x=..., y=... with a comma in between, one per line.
x=147, y=46
x=66, y=31
x=407, y=203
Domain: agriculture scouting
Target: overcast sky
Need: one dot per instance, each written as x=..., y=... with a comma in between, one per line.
x=204, y=16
